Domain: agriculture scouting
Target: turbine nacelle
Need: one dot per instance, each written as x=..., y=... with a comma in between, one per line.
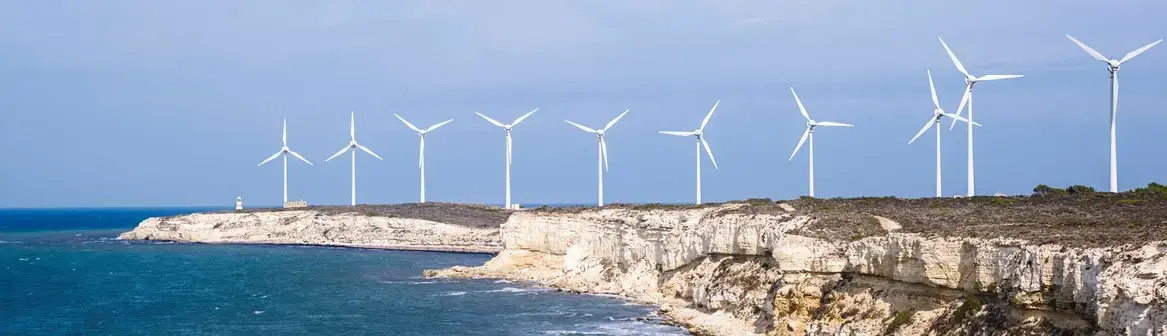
x=1113, y=65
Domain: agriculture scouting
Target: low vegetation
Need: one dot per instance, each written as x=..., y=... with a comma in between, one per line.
x=472, y=215
x=1075, y=216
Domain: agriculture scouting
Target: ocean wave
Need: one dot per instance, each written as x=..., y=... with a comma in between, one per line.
x=502, y=281
x=9, y=242
x=454, y=294
x=621, y=328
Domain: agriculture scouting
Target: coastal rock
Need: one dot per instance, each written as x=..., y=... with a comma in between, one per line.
x=333, y=226
x=724, y=270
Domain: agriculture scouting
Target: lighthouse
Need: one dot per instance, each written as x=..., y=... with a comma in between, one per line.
x=239, y=203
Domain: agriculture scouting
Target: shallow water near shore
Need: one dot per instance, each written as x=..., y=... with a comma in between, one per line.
x=63, y=280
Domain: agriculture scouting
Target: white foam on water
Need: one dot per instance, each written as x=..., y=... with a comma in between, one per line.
x=454, y=294
x=502, y=281
x=258, y=312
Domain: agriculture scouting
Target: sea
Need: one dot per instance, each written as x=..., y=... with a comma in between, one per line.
x=62, y=272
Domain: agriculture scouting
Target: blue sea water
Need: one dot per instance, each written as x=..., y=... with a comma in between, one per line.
x=63, y=273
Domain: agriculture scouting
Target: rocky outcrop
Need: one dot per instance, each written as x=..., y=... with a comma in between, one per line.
x=326, y=226
x=724, y=271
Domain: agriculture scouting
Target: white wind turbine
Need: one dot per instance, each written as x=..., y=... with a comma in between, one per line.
x=603, y=150
x=700, y=142
x=507, y=130
x=937, y=114
x=1112, y=66
x=809, y=133
x=421, y=151
x=352, y=146
x=969, y=81
x=285, y=151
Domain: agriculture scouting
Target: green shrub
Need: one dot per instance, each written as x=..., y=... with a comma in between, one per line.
x=1079, y=189
x=1044, y=190
x=1153, y=188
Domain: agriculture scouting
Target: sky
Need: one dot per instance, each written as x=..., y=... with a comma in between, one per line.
x=173, y=103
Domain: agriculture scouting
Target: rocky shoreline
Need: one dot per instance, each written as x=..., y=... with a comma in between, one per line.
x=1081, y=265
x=743, y=269
x=419, y=227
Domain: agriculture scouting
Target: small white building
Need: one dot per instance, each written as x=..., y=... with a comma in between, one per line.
x=239, y=203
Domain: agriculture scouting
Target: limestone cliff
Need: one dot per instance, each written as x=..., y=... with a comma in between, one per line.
x=726, y=270
x=438, y=227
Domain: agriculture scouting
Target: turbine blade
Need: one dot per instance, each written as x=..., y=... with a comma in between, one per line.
x=604, y=151
x=338, y=153
x=517, y=121
x=508, y=149
x=710, y=152
x=805, y=134
x=582, y=127
x=953, y=116
x=963, y=101
x=272, y=157
x=285, y=132
x=613, y=122
x=932, y=86
x=953, y=56
x=1138, y=51
x=414, y=128
x=435, y=126
x=1088, y=50
x=421, y=153
x=366, y=149
x=800, y=107
x=297, y=155
x=678, y=133
x=832, y=123
x=710, y=115
x=924, y=129
x=492, y=121
x=997, y=77
x=352, y=125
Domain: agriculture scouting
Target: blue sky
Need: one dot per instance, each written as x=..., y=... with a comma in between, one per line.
x=130, y=103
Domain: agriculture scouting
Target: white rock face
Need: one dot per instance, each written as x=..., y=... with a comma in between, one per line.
x=734, y=274
x=309, y=227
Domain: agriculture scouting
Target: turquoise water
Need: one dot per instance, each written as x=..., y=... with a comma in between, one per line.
x=64, y=274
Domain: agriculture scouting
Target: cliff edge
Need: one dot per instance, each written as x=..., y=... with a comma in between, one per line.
x=1092, y=265
x=429, y=226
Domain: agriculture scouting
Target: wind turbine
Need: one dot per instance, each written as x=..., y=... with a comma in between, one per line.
x=352, y=146
x=285, y=151
x=603, y=150
x=700, y=142
x=809, y=133
x=969, y=81
x=1112, y=66
x=937, y=114
x=421, y=151
x=507, y=131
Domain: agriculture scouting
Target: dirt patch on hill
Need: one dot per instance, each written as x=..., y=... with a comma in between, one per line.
x=470, y=215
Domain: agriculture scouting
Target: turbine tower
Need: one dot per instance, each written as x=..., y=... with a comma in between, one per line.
x=285, y=151
x=352, y=147
x=1112, y=66
x=969, y=81
x=809, y=133
x=937, y=114
x=421, y=151
x=603, y=151
x=507, y=131
x=700, y=143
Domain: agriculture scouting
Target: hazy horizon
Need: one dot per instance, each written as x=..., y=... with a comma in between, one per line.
x=131, y=104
